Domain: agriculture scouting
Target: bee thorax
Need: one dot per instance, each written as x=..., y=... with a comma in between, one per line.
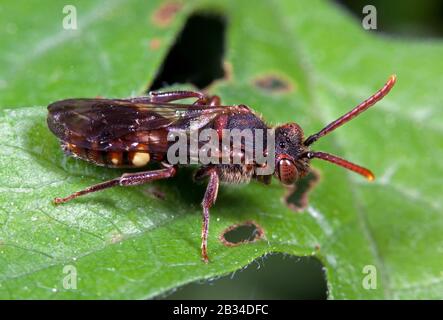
x=236, y=173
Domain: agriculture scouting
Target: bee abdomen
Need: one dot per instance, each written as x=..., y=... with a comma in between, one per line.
x=113, y=159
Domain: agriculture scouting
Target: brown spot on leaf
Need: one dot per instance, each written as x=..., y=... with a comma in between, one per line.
x=155, y=43
x=227, y=68
x=296, y=197
x=240, y=233
x=164, y=15
x=273, y=83
x=196, y=57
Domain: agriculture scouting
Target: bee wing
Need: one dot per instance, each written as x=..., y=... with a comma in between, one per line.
x=120, y=124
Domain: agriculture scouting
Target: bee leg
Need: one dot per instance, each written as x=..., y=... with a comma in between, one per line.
x=169, y=96
x=208, y=201
x=127, y=179
x=208, y=101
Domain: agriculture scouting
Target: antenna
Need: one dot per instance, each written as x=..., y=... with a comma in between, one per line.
x=341, y=162
x=354, y=112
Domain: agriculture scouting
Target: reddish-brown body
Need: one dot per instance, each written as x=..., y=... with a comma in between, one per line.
x=134, y=132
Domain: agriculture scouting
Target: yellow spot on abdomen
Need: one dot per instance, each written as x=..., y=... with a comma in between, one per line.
x=140, y=159
x=116, y=158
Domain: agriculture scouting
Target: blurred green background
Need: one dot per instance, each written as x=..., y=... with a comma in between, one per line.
x=407, y=18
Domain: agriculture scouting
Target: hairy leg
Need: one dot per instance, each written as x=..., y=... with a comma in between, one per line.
x=208, y=200
x=169, y=96
x=206, y=100
x=127, y=179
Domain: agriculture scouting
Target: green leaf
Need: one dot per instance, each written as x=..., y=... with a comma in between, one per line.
x=127, y=243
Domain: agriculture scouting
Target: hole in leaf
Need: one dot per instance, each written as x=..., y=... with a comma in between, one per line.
x=296, y=197
x=245, y=232
x=273, y=83
x=197, y=55
x=274, y=276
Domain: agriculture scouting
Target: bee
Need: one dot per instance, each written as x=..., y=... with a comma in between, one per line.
x=131, y=133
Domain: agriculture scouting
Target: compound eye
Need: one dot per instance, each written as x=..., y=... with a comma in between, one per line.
x=287, y=172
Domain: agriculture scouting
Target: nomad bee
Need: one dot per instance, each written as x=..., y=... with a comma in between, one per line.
x=130, y=133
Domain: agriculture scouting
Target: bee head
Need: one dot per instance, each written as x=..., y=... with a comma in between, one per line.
x=289, y=165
